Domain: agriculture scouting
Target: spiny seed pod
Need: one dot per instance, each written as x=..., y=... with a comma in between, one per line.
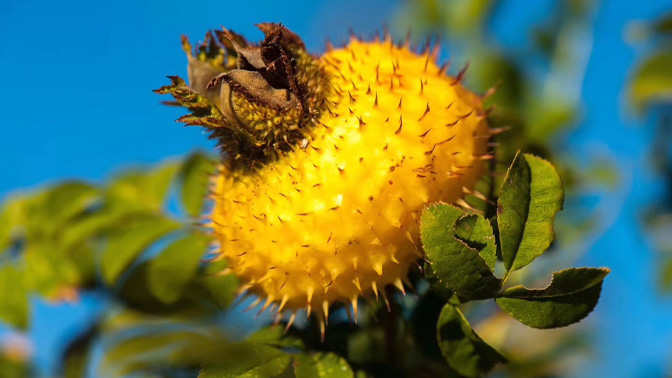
x=343, y=152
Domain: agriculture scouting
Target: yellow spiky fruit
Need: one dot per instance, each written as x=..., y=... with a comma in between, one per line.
x=337, y=216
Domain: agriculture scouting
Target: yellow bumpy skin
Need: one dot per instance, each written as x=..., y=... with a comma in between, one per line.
x=336, y=216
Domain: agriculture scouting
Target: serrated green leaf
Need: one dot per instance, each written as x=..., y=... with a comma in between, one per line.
x=531, y=196
x=476, y=232
x=175, y=266
x=14, y=305
x=321, y=365
x=652, y=80
x=570, y=297
x=462, y=348
x=195, y=174
x=456, y=266
x=129, y=240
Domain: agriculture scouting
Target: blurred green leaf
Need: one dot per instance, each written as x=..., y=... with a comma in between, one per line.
x=142, y=188
x=129, y=240
x=476, y=232
x=490, y=69
x=249, y=361
x=166, y=347
x=531, y=195
x=456, y=266
x=571, y=296
x=220, y=287
x=367, y=346
x=14, y=300
x=275, y=336
x=48, y=273
x=321, y=365
x=175, y=266
x=13, y=366
x=59, y=204
x=462, y=348
x=195, y=176
x=12, y=215
x=547, y=115
x=75, y=355
x=652, y=80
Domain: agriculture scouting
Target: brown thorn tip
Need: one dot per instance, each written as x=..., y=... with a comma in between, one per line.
x=401, y=123
x=499, y=130
x=491, y=91
x=424, y=114
x=460, y=75
x=407, y=42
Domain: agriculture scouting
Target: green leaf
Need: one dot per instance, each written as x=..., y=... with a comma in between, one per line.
x=144, y=349
x=455, y=265
x=462, y=348
x=652, y=80
x=175, y=266
x=48, y=273
x=143, y=188
x=12, y=216
x=531, y=196
x=249, y=362
x=14, y=363
x=60, y=203
x=274, y=336
x=221, y=288
x=571, y=296
x=14, y=305
x=195, y=175
x=476, y=232
x=321, y=365
x=129, y=240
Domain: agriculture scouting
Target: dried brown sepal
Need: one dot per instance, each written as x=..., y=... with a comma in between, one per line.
x=258, y=100
x=204, y=113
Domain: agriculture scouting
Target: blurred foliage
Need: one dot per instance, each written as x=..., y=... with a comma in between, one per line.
x=650, y=93
x=137, y=240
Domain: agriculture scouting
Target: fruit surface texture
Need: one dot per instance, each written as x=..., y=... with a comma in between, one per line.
x=336, y=216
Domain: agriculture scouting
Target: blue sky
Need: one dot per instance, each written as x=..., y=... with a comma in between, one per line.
x=77, y=102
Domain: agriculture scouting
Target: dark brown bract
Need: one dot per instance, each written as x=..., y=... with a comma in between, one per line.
x=258, y=100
